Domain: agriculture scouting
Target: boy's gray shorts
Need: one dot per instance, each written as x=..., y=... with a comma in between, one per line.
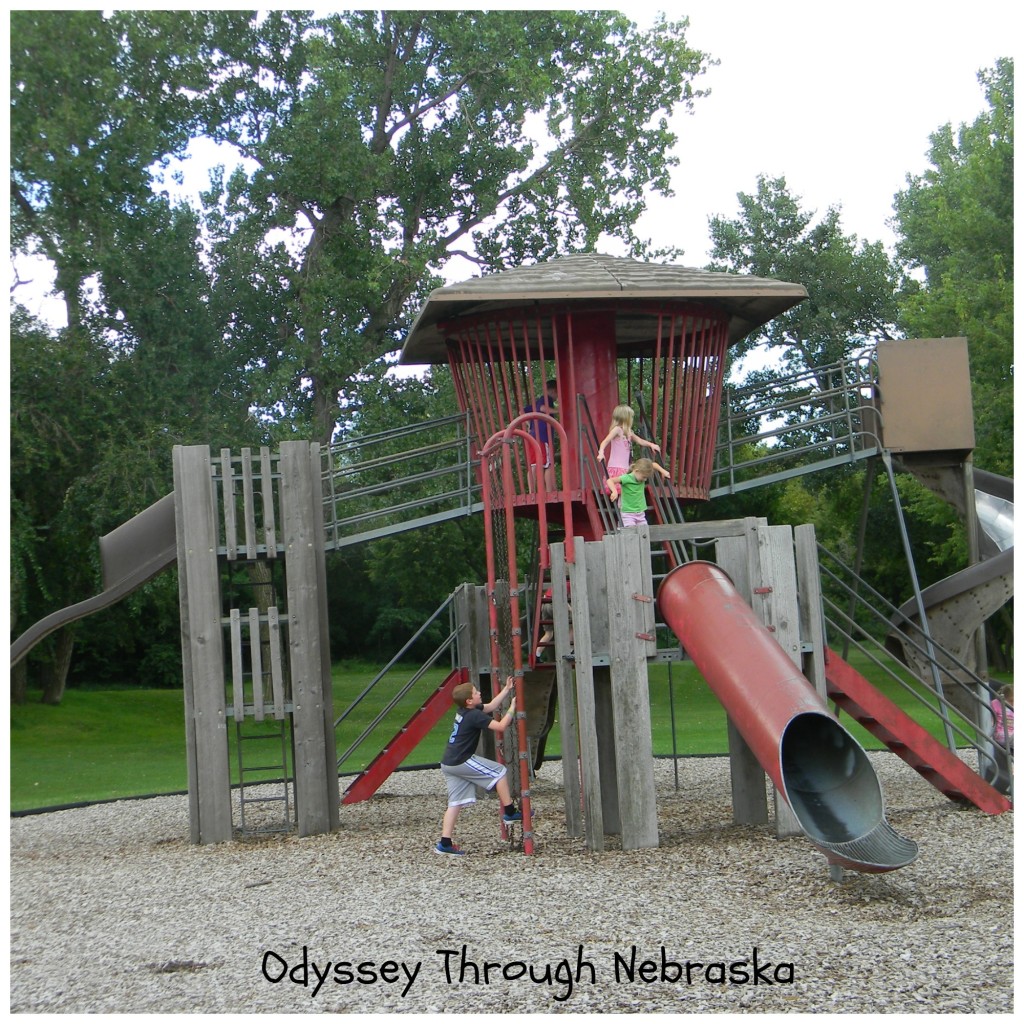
x=463, y=778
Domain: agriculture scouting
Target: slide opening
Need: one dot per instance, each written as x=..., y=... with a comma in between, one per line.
x=828, y=780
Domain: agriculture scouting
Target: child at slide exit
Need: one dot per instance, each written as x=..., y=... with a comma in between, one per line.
x=1002, y=711
x=464, y=769
x=633, y=488
x=620, y=440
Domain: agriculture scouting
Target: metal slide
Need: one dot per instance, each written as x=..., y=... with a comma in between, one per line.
x=819, y=768
x=131, y=555
x=958, y=605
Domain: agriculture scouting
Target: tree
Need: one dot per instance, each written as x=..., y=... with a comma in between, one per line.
x=850, y=283
x=380, y=144
x=955, y=230
x=97, y=406
x=96, y=101
x=375, y=148
x=56, y=419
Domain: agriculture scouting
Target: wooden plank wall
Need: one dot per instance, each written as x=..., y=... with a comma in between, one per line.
x=630, y=615
x=317, y=796
x=778, y=608
x=209, y=780
x=586, y=712
x=735, y=554
x=563, y=630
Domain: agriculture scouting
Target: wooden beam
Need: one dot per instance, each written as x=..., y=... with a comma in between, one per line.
x=775, y=602
x=567, y=723
x=585, y=709
x=310, y=688
x=195, y=509
x=630, y=696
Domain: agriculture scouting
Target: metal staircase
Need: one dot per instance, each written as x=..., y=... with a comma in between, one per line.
x=405, y=741
x=859, y=619
x=906, y=738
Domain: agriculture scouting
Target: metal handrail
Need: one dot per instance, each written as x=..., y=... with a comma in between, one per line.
x=847, y=416
x=446, y=645
x=881, y=613
x=666, y=502
x=350, y=501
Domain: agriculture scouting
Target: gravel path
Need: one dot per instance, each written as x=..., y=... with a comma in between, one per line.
x=113, y=910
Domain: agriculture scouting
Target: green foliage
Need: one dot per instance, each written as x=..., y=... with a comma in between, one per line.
x=849, y=283
x=955, y=227
x=106, y=744
x=383, y=143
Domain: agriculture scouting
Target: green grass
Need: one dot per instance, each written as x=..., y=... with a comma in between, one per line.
x=107, y=744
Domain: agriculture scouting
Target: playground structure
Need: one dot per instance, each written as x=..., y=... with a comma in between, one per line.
x=585, y=321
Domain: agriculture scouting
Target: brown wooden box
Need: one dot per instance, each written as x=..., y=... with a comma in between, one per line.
x=925, y=386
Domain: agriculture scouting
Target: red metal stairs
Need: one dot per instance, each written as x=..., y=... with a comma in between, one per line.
x=402, y=744
x=904, y=737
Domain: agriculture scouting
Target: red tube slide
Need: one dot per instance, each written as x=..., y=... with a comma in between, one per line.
x=819, y=768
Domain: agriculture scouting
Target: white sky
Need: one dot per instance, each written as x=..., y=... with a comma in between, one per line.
x=841, y=105
x=838, y=99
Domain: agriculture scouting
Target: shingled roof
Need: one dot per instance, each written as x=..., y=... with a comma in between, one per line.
x=584, y=279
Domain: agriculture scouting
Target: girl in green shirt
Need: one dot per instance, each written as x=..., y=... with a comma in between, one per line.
x=633, y=488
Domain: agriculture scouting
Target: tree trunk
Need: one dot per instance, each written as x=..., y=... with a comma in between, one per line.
x=19, y=682
x=56, y=674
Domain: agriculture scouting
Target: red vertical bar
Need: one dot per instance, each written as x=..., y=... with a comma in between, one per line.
x=706, y=378
x=517, y=652
x=696, y=399
x=655, y=368
x=472, y=391
x=670, y=364
x=466, y=383
x=715, y=405
x=678, y=405
x=482, y=387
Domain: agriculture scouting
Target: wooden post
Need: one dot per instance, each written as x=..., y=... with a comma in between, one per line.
x=747, y=777
x=474, y=637
x=600, y=673
x=586, y=712
x=775, y=602
x=317, y=796
x=202, y=646
x=631, y=621
x=812, y=626
x=562, y=627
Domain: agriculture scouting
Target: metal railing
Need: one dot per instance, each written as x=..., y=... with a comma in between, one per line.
x=394, y=697
x=857, y=616
x=809, y=421
x=667, y=507
x=425, y=473
x=398, y=480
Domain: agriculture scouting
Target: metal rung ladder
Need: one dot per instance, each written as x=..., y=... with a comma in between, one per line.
x=269, y=762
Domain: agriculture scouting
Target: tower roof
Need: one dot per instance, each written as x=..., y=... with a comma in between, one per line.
x=583, y=279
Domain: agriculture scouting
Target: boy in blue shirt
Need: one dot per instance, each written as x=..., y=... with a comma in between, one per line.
x=464, y=769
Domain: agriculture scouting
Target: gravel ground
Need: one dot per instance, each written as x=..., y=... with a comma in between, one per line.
x=113, y=910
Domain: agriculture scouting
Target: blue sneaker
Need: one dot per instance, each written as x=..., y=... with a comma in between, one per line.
x=514, y=816
x=450, y=850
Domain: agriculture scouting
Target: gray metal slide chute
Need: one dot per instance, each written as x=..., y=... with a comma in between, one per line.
x=959, y=605
x=131, y=555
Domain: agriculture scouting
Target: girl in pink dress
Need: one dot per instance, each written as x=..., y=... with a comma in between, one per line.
x=620, y=441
